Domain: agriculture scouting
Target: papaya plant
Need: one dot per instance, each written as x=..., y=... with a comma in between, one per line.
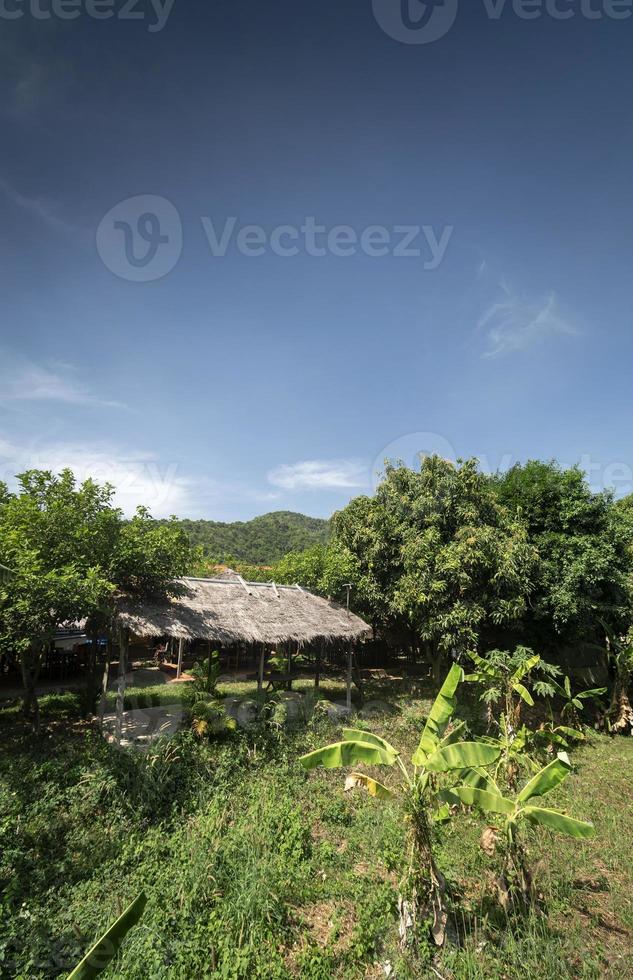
x=479, y=789
x=437, y=752
x=505, y=677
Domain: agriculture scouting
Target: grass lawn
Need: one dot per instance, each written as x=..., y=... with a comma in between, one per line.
x=254, y=868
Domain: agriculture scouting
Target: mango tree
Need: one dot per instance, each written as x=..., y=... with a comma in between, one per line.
x=437, y=752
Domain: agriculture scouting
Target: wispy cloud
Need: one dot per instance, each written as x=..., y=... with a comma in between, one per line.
x=320, y=474
x=22, y=380
x=43, y=210
x=513, y=324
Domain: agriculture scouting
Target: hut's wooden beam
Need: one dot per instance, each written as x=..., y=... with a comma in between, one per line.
x=349, y=677
x=260, y=673
x=181, y=644
x=124, y=639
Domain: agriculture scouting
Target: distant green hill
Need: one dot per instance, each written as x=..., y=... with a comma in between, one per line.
x=261, y=541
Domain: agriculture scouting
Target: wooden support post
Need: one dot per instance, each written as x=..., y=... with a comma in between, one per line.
x=289, y=668
x=181, y=644
x=260, y=675
x=209, y=668
x=317, y=673
x=124, y=639
x=349, y=678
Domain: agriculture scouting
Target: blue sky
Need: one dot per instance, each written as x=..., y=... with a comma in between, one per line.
x=226, y=385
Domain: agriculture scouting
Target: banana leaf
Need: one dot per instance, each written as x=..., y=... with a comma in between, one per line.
x=480, y=779
x=442, y=814
x=358, y=735
x=525, y=669
x=545, y=780
x=490, y=802
x=558, y=821
x=462, y=755
x=347, y=754
x=439, y=716
x=523, y=693
x=373, y=787
x=101, y=954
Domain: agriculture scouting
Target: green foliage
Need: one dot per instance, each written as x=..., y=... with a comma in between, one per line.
x=438, y=558
x=262, y=541
x=70, y=549
x=210, y=720
x=205, y=673
x=573, y=704
x=583, y=542
x=502, y=675
x=437, y=752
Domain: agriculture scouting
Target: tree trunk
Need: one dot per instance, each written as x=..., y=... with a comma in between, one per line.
x=30, y=666
x=92, y=688
x=429, y=885
x=621, y=712
x=104, y=682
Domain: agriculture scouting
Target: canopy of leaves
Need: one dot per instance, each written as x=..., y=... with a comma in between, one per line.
x=583, y=542
x=70, y=548
x=437, y=555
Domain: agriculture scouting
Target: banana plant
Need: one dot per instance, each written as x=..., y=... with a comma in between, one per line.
x=619, y=717
x=549, y=736
x=437, y=752
x=504, y=676
x=573, y=703
x=514, y=748
x=480, y=789
x=103, y=952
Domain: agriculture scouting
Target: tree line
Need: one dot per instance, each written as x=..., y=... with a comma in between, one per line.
x=443, y=560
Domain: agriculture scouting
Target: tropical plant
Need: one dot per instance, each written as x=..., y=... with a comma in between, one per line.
x=619, y=717
x=210, y=720
x=205, y=673
x=573, y=703
x=549, y=736
x=515, y=745
x=105, y=949
x=480, y=789
x=505, y=677
x=437, y=752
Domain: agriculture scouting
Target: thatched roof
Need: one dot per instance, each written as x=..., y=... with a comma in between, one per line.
x=232, y=611
x=5, y=573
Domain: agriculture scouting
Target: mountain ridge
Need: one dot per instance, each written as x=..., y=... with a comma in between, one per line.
x=260, y=541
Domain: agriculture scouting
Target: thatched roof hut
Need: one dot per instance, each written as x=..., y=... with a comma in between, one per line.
x=231, y=611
